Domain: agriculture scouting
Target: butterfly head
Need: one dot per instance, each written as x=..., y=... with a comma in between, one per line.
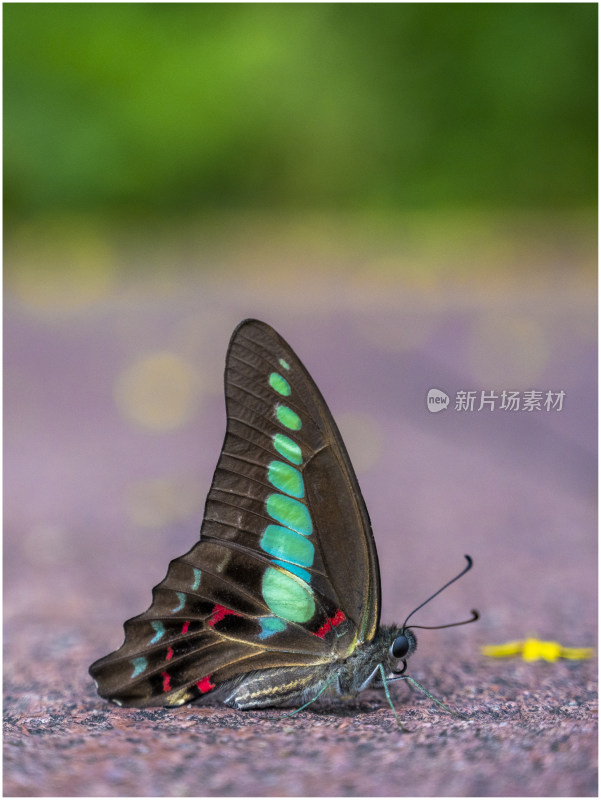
x=402, y=646
x=405, y=642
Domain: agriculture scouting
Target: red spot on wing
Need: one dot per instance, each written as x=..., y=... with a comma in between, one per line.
x=166, y=681
x=218, y=613
x=205, y=685
x=330, y=623
x=185, y=626
x=337, y=618
x=327, y=626
x=169, y=655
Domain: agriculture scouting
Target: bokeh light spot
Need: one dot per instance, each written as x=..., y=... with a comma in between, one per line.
x=158, y=502
x=60, y=268
x=159, y=391
x=508, y=352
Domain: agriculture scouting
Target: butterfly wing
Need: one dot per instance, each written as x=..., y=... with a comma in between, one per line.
x=285, y=573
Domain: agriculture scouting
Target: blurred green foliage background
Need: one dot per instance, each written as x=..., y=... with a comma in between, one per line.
x=135, y=111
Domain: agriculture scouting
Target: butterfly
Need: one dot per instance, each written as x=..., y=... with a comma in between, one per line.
x=279, y=601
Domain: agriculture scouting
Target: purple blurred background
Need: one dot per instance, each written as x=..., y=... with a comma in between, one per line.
x=115, y=417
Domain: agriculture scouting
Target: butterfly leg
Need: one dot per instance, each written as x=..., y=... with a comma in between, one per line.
x=427, y=693
x=309, y=702
x=369, y=679
x=385, y=684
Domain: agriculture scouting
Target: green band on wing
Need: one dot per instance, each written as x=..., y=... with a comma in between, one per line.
x=197, y=577
x=271, y=625
x=279, y=384
x=159, y=630
x=182, y=602
x=286, y=597
x=139, y=665
x=286, y=478
x=284, y=363
x=288, y=418
x=287, y=448
x=283, y=543
x=290, y=513
x=302, y=573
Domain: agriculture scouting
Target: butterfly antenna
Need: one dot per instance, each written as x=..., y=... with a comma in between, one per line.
x=442, y=588
x=473, y=618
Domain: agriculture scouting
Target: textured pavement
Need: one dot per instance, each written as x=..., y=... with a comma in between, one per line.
x=107, y=469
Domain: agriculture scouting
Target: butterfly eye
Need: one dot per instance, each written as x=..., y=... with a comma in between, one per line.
x=400, y=646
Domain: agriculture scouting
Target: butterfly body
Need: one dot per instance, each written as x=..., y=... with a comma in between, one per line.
x=279, y=601
x=294, y=686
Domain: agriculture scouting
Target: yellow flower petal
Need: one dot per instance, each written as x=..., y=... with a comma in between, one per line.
x=577, y=652
x=502, y=650
x=535, y=650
